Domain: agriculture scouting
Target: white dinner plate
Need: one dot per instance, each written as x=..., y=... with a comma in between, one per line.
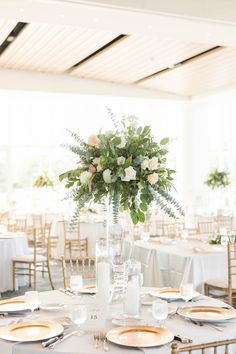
x=170, y=294
x=207, y=313
x=31, y=331
x=52, y=306
x=13, y=305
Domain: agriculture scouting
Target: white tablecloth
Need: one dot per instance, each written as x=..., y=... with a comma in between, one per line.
x=9, y=248
x=92, y=230
x=85, y=343
x=168, y=265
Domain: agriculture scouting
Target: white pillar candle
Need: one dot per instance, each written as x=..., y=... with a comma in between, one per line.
x=103, y=279
x=132, y=299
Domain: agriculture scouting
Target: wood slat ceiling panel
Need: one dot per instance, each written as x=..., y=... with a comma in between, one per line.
x=208, y=73
x=136, y=57
x=5, y=28
x=49, y=48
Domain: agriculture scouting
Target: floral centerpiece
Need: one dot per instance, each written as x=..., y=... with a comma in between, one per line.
x=218, y=179
x=43, y=180
x=125, y=165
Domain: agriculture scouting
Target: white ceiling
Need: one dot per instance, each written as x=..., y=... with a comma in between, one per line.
x=60, y=34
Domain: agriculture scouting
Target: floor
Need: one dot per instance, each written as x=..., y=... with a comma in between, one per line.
x=43, y=283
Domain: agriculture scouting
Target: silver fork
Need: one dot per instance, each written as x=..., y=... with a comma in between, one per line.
x=96, y=340
x=104, y=340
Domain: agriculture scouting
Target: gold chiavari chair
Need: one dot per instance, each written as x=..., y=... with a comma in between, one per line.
x=85, y=266
x=38, y=222
x=224, y=222
x=201, y=347
x=169, y=230
x=36, y=262
x=205, y=228
x=4, y=217
x=73, y=241
x=16, y=225
x=228, y=285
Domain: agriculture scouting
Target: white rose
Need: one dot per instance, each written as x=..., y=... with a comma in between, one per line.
x=85, y=177
x=130, y=174
x=107, y=176
x=153, y=178
x=122, y=143
x=144, y=164
x=120, y=160
x=153, y=163
x=93, y=140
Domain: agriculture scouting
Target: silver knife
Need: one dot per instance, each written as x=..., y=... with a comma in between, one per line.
x=182, y=339
x=62, y=338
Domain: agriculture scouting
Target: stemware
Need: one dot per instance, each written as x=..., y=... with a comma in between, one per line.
x=78, y=315
x=32, y=300
x=160, y=311
x=186, y=291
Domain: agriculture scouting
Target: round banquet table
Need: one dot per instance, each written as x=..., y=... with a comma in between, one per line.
x=85, y=343
x=11, y=245
x=169, y=264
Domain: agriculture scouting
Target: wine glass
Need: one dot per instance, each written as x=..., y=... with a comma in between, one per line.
x=76, y=282
x=78, y=314
x=186, y=291
x=32, y=300
x=160, y=311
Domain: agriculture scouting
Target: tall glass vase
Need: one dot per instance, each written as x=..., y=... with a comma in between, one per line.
x=115, y=232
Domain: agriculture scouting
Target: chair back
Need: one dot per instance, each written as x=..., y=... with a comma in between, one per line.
x=85, y=266
x=38, y=222
x=201, y=347
x=231, y=252
x=206, y=227
x=71, y=231
x=17, y=225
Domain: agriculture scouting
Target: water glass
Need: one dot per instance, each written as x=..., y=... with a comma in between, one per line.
x=32, y=300
x=184, y=235
x=186, y=291
x=78, y=315
x=76, y=283
x=160, y=311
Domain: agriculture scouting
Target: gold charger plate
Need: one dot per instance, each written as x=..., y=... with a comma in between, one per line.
x=170, y=294
x=207, y=313
x=89, y=289
x=140, y=336
x=31, y=331
x=13, y=305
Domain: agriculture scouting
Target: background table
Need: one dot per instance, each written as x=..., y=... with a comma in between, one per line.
x=85, y=343
x=167, y=265
x=10, y=246
x=90, y=229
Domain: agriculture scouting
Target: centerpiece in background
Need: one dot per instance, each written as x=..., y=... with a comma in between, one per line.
x=124, y=168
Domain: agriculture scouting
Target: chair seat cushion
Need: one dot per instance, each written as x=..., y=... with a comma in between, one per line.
x=221, y=282
x=30, y=258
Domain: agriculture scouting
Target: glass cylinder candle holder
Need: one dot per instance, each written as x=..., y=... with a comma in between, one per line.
x=103, y=269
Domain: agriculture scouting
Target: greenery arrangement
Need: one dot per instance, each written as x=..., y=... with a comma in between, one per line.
x=125, y=165
x=43, y=180
x=217, y=179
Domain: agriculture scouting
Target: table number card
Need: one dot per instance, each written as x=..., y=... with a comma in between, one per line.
x=96, y=314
